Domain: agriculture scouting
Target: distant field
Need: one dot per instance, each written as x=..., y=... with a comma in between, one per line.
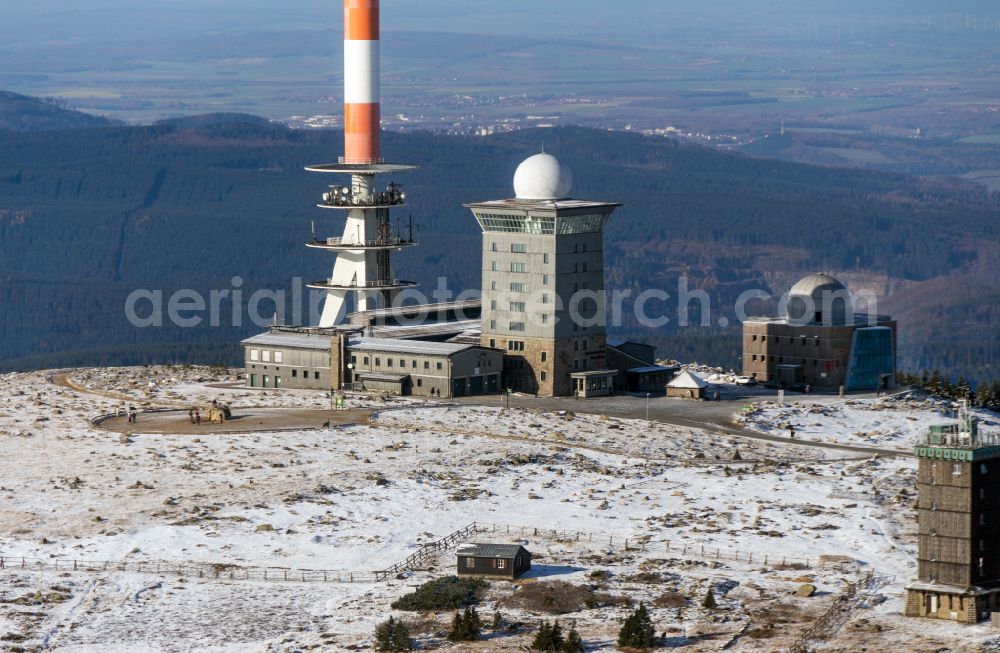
x=982, y=139
x=862, y=157
x=989, y=178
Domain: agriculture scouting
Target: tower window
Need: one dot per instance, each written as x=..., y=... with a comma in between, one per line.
x=518, y=248
x=517, y=326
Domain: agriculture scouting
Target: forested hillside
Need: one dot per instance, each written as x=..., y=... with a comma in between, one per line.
x=23, y=113
x=87, y=216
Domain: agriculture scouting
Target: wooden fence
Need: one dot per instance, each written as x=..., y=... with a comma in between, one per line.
x=221, y=571
x=857, y=596
x=414, y=562
x=668, y=547
x=427, y=551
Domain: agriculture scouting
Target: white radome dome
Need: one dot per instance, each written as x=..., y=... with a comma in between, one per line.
x=542, y=177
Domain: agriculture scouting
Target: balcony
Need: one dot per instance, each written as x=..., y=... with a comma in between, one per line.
x=342, y=197
x=341, y=245
x=387, y=284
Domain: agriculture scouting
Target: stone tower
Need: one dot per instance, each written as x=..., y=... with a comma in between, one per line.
x=543, y=281
x=958, y=554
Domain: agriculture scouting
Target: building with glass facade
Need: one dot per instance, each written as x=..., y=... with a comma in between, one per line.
x=820, y=341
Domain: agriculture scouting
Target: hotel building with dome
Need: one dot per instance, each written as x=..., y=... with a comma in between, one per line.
x=820, y=341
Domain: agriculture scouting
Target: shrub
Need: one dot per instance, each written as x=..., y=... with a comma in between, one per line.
x=560, y=597
x=448, y=593
x=670, y=600
x=637, y=631
x=709, y=602
x=392, y=636
x=465, y=627
x=557, y=597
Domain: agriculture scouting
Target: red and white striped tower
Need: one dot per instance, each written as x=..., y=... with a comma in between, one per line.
x=362, y=109
x=363, y=266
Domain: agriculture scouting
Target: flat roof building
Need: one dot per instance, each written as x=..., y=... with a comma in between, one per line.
x=339, y=358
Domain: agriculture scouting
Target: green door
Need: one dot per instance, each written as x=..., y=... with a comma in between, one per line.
x=458, y=388
x=477, y=385
x=493, y=383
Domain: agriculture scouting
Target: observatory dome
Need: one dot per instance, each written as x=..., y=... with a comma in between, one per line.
x=542, y=177
x=820, y=299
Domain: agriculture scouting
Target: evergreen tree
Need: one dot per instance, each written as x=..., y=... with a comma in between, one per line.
x=709, y=602
x=637, y=631
x=548, y=638
x=573, y=643
x=392, y=636
x=465, y=627
x=457, y=633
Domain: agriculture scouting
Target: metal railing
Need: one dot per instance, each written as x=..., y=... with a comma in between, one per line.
x=340, y=242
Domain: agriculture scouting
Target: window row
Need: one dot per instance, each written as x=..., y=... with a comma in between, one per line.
x=266, y=356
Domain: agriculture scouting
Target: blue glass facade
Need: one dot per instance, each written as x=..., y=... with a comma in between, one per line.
x=872, y=362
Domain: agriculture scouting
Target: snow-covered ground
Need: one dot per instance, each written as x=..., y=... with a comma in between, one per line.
x=892, y=422
x=358, y=499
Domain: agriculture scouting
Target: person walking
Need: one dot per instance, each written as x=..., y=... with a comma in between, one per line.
x=197, y=416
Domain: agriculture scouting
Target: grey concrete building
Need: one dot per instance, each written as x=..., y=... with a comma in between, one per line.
x=289, y=359
x=339, y=358
x=423, y=369
x=821, y=342
x=543, y=283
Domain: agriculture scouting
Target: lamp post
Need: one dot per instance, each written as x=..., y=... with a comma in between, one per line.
x=647, y=406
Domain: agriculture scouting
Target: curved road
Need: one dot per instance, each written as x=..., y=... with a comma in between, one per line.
x=703, y=415
x=712, y=416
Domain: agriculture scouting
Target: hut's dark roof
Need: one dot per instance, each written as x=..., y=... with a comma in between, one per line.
x=490, y=550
